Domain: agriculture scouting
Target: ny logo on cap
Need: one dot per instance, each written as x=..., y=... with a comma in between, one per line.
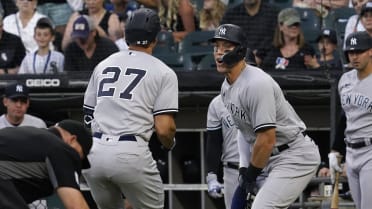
x=222, y=31
x=353, y=41
x=19, y=88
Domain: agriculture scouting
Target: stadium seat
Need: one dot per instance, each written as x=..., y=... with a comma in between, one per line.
x=281, y=4
x=194, y=47
x=196, y=41
x=310, y=23
x=199, y=61
x=338, y=19
x=166, y=43
x=174, y=60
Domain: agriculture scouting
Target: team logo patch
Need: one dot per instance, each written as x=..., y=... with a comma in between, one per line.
x=222, y=31
x=353, y=42
x=19, y=88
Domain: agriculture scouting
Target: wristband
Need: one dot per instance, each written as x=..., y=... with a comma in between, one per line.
x=253, y=172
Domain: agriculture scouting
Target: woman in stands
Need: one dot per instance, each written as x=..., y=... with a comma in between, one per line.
x=211, y=14
x=290, y=52
x=23, y=22
x=178, y=16
x=108, y=24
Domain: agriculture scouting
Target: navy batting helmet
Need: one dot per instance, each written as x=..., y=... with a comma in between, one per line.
x=236, y=35
x=142, y=27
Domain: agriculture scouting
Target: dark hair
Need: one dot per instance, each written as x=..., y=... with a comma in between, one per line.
x=45, y=23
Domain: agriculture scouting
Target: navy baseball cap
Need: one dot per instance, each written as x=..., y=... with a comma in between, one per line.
x=16, y=90
x=328, y=33
x=367, y=7
x=358, y=41
x=84, y=137
x=82, y=26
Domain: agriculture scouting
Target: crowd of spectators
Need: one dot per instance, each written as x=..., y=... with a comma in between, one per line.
x=275, y=35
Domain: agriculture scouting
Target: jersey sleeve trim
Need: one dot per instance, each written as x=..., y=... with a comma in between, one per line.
x=266, y=125
x=165, y=111
x=88, y=107
x=214, y=128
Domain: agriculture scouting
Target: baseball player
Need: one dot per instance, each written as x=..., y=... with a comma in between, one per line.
x=129, y=94
x=16, y=101
x=35, y=162
x=269, y=126
x=356, y=100
x=221, y=144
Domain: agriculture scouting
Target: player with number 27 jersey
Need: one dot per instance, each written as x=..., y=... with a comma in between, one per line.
x=130, y=95
x=123, y=88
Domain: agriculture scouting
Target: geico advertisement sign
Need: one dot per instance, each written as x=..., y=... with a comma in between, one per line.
x=47, y=82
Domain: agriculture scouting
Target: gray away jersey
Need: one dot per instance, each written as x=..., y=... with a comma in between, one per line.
x=256, y=101
x=356, y=100
x=127, y=90
x=219, y=118
x=28, y=120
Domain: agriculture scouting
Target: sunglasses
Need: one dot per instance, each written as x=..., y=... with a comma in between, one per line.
x=297, y=24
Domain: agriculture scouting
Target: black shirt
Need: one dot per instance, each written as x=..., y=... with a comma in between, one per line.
x=274, y=60
x=36, y=161
x=76, y=60
x=259, y=28
x=12, y=51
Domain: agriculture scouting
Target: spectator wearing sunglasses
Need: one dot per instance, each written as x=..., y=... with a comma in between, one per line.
x=289, y=50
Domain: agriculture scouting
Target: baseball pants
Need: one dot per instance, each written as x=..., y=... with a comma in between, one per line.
x=124, y=167
x=230, y=179
x=359, y=173
x=289, y=173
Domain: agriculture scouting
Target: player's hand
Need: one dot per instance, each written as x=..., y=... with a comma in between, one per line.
x=246, y=182
x=214, y=187
x=333, y=164
x=171, y=147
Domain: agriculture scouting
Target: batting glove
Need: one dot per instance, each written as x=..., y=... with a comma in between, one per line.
x=247, y=178
x=333, y=165
x=214, y=187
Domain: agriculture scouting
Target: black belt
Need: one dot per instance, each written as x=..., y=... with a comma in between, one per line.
x=121, y=138
x=357, y=145
x=279, y=149
x=231, y=165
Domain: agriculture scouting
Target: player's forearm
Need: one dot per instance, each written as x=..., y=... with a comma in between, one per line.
x=165, y=127
x=263, y=147
x=72, y=198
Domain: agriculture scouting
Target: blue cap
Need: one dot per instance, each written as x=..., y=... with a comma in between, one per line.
x=82, y=27
x=16, y=90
